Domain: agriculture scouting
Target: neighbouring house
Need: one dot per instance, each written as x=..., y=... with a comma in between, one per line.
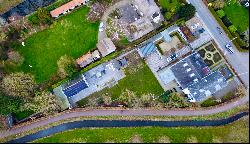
x=106, y=46
x=149, y=9
x=88, y=58
x=139, y=17
x=67, y=7
x=196, y=79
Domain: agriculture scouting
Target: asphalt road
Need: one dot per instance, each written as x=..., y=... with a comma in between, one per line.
x=239, y=60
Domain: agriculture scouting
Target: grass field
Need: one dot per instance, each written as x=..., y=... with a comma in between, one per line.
x=238, y=15
x=72, y=35
x=167, y=4
x=236, y=132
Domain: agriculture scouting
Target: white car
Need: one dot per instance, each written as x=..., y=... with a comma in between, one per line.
x=229, y=48
x=101, y=27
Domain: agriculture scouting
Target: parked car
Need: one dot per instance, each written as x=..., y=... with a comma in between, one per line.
x=172, y=57
x=219, y=30
x=101, y=27
x=229, y=48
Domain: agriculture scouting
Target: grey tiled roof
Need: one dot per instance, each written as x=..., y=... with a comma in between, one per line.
x=190, y=69
x=207, y=86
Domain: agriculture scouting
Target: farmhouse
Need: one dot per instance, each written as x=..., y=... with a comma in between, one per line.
x=67, y=7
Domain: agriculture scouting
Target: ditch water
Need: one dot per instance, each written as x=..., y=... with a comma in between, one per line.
x=26, y=7
x=124, y=123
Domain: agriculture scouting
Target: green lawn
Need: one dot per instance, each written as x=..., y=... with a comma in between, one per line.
x=169, y=4
x=236, y=132
x=72, y=35
x=238, y=15
x=141, y=82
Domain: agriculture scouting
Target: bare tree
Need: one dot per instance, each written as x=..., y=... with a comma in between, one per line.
x=19, y=84
x=44, y=102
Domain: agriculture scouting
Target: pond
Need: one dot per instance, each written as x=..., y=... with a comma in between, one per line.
x=26, y=7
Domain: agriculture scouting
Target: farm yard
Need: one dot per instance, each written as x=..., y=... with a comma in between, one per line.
x=72, y=35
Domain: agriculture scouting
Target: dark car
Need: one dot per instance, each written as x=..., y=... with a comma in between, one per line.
x=219, y=30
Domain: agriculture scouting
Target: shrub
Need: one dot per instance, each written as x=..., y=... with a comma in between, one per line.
x=176, y=100
x=164, y=98
x=44, y=16
x=226, y=21
x=33, y=19
x=15, y=57
x=44, y=102
x=82, y=102
x=209, y=102
x=168, y=15
x=130, y=98
x=218, y=4
x=66, y=66
x=221, y=13
x=232, y=29
x=9, y=104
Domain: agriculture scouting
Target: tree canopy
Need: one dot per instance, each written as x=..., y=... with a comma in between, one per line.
x=19, y=84
x=44, y=102
x=66, y=66
x=186, y=11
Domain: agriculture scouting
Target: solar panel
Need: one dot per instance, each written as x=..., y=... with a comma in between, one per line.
x=75, y=88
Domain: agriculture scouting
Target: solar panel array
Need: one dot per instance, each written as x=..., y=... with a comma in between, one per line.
x=75, y=88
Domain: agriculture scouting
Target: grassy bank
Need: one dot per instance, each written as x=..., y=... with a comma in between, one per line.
x=236, y=132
